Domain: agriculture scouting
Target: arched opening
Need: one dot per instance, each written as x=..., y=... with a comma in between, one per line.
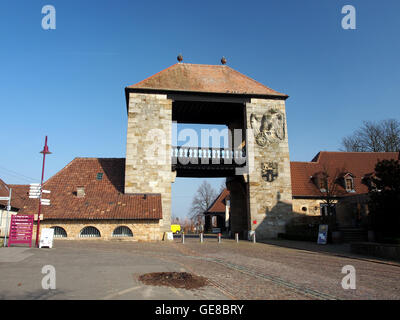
x=122, y=231
x=212, y=156
x=59, y=232
x=89, y=232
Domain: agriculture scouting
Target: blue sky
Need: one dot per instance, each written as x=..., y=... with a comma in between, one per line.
x=69, y=83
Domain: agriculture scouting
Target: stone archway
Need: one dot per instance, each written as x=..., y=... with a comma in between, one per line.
x=216, y=95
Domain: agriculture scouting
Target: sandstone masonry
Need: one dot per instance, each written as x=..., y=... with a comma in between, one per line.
x=143, y=230
x=148, y=159
x=269, y=202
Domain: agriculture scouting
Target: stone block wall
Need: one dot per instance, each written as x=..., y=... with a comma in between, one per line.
x=270, y=202
x=148, y=149
x=5, y=221
x=143, y=230
x=312, y=206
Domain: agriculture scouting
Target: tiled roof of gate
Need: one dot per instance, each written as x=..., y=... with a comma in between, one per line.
x=104, y=199
x=358, y=164
x=205, y=78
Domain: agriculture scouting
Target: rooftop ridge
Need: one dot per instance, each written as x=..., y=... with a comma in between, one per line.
x=205, y=78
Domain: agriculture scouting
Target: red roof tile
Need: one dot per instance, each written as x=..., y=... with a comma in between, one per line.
x=20, y=194
x=3, y=192
x=219, y=203
x=205, y=78
x=104, y=199
x=358, y=164
x=16, y=198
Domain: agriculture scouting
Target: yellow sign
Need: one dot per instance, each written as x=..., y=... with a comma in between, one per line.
x=175, y=228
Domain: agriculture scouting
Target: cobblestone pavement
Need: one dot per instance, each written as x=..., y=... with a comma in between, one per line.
x=244, y=270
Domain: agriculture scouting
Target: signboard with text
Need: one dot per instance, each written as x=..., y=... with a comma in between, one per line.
x=21, y=229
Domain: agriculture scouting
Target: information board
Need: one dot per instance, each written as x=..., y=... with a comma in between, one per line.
x=46, y=238
x=21, y=229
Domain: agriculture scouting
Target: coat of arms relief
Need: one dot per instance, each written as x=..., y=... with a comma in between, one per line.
x=269, y=171
x=268, y=128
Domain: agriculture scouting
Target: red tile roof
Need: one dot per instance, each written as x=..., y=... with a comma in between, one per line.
x=358, y=164
x=16, y=198
x=205, y=78
x=104, y=199
x=3, y=192
x=219, y=203
x=20, y=194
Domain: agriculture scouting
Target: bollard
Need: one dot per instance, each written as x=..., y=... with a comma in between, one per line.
x=219, y=238
x=201, y=237
x=254, y=237
x=183, y=237
x=237, y=237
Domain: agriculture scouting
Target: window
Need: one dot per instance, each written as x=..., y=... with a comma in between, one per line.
x=80, y=192
x=349, y=183
x=327, y=210
x=214, y=221
x=99, y=176
x=323, y=184
x=89, y=232
x=59, y=232
x=122, y=231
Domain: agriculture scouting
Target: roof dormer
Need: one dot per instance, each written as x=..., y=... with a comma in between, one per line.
x=348, y=180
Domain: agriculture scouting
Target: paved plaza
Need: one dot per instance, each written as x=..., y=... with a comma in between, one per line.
x=95, y=269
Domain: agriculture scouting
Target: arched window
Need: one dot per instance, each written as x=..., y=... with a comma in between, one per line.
x=59, y=232
x=349, y=182
x=89, y=232
x=122, y=231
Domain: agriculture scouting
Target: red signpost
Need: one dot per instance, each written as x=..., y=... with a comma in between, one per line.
x=21, y=229
x=44, y=152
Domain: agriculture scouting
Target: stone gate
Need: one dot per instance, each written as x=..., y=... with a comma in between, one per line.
x=255, y=164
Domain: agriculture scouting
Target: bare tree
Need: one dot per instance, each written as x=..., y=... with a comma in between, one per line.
x=202, y=200
x=174, y=219
x=383, y=136
x=327, y=183
x=391, y=138
x=222, y=187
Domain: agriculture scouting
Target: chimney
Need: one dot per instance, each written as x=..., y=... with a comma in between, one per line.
x=80, y=192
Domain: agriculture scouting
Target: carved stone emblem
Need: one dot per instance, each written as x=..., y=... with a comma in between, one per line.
x=269, y=171
x=270, y=128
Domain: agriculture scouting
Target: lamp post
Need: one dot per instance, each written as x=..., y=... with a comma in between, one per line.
x=44, y=152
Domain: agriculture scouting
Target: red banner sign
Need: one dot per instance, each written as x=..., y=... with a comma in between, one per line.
x=21, y=229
